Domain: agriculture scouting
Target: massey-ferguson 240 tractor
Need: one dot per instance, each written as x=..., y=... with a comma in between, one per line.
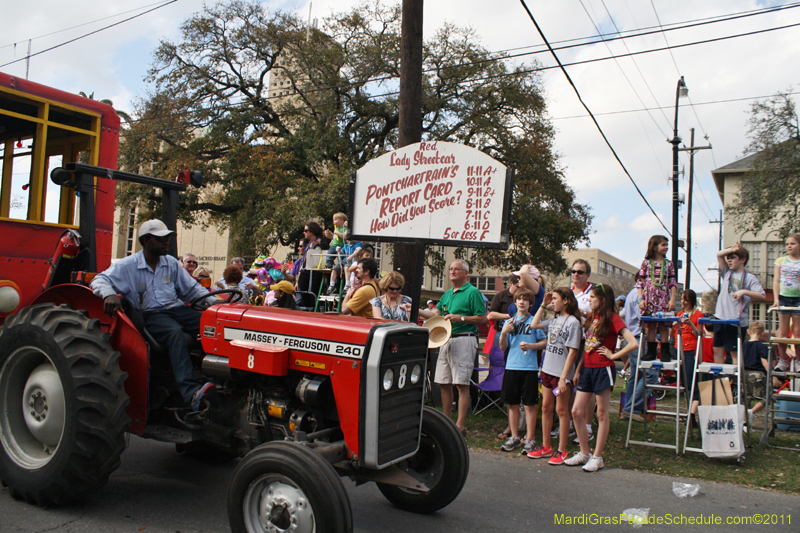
x=305, y=398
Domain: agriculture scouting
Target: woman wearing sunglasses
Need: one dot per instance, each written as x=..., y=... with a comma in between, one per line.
x=392, y=305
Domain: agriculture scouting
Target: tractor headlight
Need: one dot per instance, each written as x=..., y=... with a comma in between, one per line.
x=416, y=373
x=388, y=379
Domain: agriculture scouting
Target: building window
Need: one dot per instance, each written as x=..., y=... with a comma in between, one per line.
x=131, y=224
x=440, y=281
x=483, y=283
x=755, y=312
x=774, y=251
x=754, y=262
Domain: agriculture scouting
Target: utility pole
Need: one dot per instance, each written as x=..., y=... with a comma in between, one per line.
x=692, y=149
x=719, y=287
x=680, y=91
x=409, y=258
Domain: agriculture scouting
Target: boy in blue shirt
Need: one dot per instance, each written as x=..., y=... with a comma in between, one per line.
x=521, y=377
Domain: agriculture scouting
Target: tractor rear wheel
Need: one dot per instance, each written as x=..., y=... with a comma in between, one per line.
x=62, y=405
x=280, y=486
x=441, y=463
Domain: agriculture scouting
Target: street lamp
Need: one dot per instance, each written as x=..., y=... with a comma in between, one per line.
x=681, y=92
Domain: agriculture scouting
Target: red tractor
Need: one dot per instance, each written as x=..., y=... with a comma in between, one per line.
x=304, y=398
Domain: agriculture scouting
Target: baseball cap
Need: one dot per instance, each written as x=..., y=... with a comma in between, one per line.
x=154, y=227
x=621, y=298
x=284, y=286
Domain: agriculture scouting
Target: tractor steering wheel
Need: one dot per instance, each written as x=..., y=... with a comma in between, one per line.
x=235, y=294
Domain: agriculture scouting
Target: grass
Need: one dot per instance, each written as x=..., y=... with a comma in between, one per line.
x=763, y=467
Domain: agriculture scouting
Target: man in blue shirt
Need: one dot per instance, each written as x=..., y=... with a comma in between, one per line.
x=155, y=283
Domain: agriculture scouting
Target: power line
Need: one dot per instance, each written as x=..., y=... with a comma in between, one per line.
x=597, y=125
x=710, y=102
x=518, y=73
x=87, y=34
x=619, y=66
x=648, y=30
x=77, y=26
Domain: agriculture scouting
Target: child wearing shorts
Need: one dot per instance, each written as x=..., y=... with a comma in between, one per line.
x=521, y=377
x=564, y=335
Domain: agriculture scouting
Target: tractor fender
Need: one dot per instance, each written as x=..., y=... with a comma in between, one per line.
x=125, y=338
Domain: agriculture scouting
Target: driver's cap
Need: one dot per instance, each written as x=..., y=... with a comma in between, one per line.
x=154, y=227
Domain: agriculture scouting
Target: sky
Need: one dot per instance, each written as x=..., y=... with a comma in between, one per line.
x=723, y=77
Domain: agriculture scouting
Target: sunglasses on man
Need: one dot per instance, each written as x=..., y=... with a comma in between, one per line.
x=578, y=272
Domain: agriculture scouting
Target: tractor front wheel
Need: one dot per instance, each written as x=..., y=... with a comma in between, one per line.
x=281, y=486
x=62, y=405
x=441, y=463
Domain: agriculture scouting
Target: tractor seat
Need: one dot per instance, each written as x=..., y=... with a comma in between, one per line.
x=155, y=345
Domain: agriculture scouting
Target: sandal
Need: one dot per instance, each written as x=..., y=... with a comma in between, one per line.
x=504, y=436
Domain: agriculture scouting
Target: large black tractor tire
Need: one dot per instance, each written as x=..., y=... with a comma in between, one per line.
x=441, y=463
x=281, y=486
x=62, y=405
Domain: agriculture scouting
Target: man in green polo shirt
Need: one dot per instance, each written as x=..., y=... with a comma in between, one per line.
x=463, y=306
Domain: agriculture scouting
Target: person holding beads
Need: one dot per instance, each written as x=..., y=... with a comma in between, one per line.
x=595, y=373
x=739, y=289
x=564, y=336
x=656, y=293
x=786, y=285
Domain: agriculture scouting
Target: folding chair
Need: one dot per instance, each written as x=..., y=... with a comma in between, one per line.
x=493, y=382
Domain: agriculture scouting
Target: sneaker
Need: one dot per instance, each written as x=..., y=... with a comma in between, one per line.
x=331, y=290
x=558, y=458
x=204, y=391
x=595, y=463
x=511, y=444
x=555, y=433
x=530, y=445
x=577, y=442
x=540, y=451
x=577, y=460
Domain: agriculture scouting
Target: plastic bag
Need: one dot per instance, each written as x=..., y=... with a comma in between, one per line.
x=635, y=517
x=685, y=490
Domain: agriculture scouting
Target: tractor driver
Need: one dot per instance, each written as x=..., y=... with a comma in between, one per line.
x=155, y=283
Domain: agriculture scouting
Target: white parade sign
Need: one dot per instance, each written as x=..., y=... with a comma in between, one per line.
x=432, y=191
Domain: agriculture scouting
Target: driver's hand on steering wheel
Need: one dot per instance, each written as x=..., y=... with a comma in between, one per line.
x=112, y=304
x=205, y=303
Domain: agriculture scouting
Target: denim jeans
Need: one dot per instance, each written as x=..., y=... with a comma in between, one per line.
x=168, y=326
x=651, y=378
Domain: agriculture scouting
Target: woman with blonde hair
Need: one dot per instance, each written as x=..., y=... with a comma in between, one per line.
x=392, y=305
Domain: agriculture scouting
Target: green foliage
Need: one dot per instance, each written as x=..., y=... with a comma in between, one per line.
x=122, y=114
x=274, y=161
x=769, y=197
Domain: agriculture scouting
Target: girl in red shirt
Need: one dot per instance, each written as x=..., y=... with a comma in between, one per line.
x=690, y=331
x=596, y=371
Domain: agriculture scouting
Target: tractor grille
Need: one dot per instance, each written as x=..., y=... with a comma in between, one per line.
x=400, y=408
x=391, y=417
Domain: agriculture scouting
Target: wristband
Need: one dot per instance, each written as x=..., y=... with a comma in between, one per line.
x=640, y=300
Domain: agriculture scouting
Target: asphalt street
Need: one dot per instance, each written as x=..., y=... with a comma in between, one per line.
x=158, y=491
